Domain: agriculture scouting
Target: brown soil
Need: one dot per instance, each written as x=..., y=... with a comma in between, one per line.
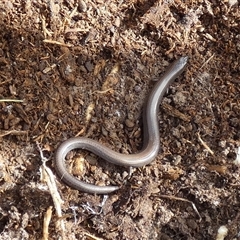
x=85, y=68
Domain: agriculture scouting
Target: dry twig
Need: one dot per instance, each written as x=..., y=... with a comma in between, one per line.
x=12, y=132
x=46, y=221
x=48, y=177
x=10, y=100
x=204, y=144
x=183, y=200
x=57, y=43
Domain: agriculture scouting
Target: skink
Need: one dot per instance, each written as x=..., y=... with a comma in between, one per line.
x=151, y=142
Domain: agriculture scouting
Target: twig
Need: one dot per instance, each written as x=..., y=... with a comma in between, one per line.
x=90, y=236
x=204, y=144
x=183, y=200
x=57, y=43
x=237, y=160
x=12, y=132
x=104, y=91
x=207, y=61
x=175, y=113
x=10, y=100
x=48, y=177
x=46, y=221
x=6, y=81
x=44, y=27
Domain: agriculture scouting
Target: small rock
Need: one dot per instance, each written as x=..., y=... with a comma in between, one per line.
x=89, y=66
x=92, y=160
x=137, y=88
x=129, y=123
x=117, y=22
x=82, y=6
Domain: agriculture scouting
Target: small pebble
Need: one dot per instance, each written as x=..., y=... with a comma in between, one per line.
x=78, y=168
x=222, y=143
x=92, y=160
x=82, y=7
x=222, y=233
x=177, y=160
x=129, y=123
x=124, y=174
x=137, y=88
x=117, y=22
x=104, y=132
x=89, y=66
x=192, y=224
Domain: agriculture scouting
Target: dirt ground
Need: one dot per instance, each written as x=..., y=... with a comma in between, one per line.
x=85, y=68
